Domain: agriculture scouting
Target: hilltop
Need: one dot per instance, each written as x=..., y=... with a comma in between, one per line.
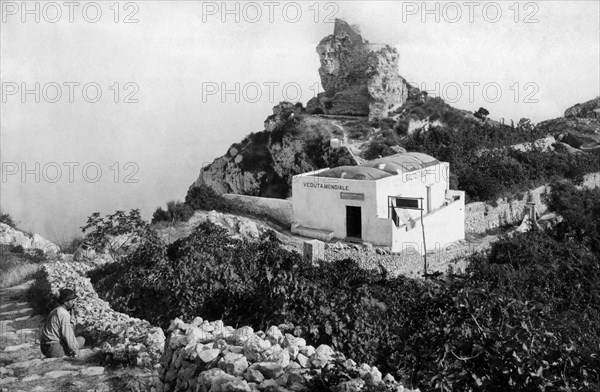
x=368, y=111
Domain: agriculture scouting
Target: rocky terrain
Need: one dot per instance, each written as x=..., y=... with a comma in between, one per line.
x=11, y=236
x=366, y=111
x=200, y=356
x=111, y=339
x=359, y=78
x=362, y=86
x=580, y=126
x=208, y=356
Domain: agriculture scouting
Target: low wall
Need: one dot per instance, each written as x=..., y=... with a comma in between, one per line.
x=279, y=210
x=208, y=356
x=122, y=338
x=481, y=216
x=442, y=227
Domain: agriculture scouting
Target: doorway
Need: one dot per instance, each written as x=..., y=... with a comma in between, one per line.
x=353, y=222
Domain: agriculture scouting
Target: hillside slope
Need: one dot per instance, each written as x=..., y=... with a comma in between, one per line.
x=360, y=118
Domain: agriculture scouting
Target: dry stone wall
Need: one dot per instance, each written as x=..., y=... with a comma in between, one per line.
x=481, y=216
x=207, y=356
x=122, y=338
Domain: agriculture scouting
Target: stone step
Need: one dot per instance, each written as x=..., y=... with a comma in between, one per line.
x=18, y=347
x=8, y=304
x=25, y=364
x=11, y=314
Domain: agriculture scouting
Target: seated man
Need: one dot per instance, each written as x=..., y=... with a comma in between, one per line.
x=58, y=338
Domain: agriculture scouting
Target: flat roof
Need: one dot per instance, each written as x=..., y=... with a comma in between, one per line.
x=383, y=167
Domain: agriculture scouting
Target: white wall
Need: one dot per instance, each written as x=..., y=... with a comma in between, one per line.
x=414, y=184
x=320, y=208
x=442, y=226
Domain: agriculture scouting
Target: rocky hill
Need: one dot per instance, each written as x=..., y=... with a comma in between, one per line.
x=580, y=126
x=359, y=78
x=368, y=111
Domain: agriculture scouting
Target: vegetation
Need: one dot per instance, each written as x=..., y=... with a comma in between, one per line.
x=7, y=219
x=484, y=169
x=71, y=246
x=119, y=234
x=176, y=212
x=18, y=265
x=205, y=198
x=526, y=318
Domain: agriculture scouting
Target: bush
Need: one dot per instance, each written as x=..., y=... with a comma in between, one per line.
x=40, y=295
x=7, y=219
x=119, y=234
x=71, y=246
x=204, y=198
x=176, y=212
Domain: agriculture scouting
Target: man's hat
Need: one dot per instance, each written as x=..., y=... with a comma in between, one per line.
x=66, y=295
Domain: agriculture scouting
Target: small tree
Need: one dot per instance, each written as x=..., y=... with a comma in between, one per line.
x=119, y=234
x=7, y=219
x=525, y=125
x=482, y=114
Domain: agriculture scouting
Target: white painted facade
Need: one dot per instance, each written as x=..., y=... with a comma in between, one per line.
x=320, y=207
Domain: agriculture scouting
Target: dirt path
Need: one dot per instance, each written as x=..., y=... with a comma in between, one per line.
x=24, y=368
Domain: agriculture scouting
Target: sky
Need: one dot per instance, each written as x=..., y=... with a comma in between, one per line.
x=117, y=105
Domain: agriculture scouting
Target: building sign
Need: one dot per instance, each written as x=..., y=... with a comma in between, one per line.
x=326, y=186
x=352, y=196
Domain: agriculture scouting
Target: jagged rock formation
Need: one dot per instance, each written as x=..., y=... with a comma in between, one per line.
x=11, y=236
x=359, y=78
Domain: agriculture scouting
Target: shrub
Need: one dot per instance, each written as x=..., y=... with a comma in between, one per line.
x=7, y=219
x=40, y=295
x=176, y=212
x=119, y=233
x=71, y=246
x=204, y=198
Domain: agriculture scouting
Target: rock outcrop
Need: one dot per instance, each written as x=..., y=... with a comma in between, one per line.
x=237, y=226
x=589, y=109
x=358, y=78
x=580, y=127
x=264, y=163
x=12, y=236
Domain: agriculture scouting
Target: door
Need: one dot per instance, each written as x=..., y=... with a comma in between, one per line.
x=353, y=222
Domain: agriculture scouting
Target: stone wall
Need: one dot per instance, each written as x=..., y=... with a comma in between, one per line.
x=122, y=338
x=481, y=216
x=279, y=210
x=207, y=356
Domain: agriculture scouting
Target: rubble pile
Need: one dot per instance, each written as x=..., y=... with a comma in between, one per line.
x=122, y=338
x=207, y=356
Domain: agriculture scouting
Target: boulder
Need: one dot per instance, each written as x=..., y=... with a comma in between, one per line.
x=269, y=370
x=235, y=364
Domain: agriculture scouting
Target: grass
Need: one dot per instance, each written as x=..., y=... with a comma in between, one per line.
x=18, y=274
x=15, y=268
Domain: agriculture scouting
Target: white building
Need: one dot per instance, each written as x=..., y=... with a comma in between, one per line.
x=381, y=202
